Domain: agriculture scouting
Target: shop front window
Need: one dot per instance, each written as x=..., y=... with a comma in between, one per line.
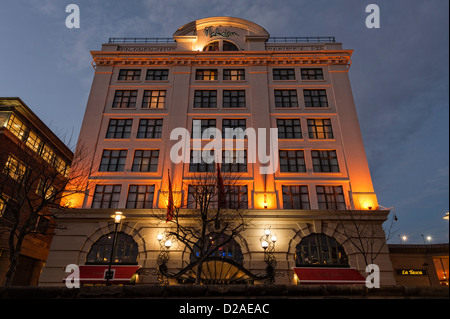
x=320, y=250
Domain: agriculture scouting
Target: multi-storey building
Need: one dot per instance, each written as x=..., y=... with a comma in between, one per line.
x=27, y=148
x=224, y=73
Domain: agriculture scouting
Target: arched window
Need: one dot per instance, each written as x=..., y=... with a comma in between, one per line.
x=320, y=250
x=221, y=45
x=126, y=250
x=230, y=250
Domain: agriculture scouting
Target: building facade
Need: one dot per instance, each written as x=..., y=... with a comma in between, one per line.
x=150, y=97
x=26, y=146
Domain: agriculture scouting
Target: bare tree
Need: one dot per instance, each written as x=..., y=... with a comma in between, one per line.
x=30, y=186
x=213, y=218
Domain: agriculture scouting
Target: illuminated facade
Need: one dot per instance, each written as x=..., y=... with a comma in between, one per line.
x=223, y=73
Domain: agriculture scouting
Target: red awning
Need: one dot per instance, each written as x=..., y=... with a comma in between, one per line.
x=92, y=274
x=329, y=276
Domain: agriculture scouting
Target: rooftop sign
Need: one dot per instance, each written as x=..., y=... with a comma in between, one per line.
x=211, y=32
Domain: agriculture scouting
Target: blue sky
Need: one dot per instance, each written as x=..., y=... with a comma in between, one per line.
x=399, y=77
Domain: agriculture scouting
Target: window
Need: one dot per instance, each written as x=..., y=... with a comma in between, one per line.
x=126, y=250
x=42, y=225
x=320, y=250
x=289, y=128
x=15, y=169
x=60, y=165
x=312, y=74
x=119, y=128
x=129, y=75
x=106, y=196
x=154, y=99
x=34, y=142
x=150, y=128
x=206, y=75
x=200, y=126
x=113, y=161
x=295, y=197
x=230, y=250
x=46, y=190
x=198, y=195
x=2, y=204
x=145, y=161
x=315, y=98
x=140, y=196
x=17, y=127
x=286, y=98
x=320, y=129
x=331, y=197
x=48, y=154
x=292, y=161
x=234, y=98
x=205, y=99
x=125, y=99
x=234, y=161
x=201, y=162
x=324, y=161
x=216, y=45
x=283, y=74
x=234, y=74
x=229, y=46
x=157, y=75
x=236, y=196
x=233, y=128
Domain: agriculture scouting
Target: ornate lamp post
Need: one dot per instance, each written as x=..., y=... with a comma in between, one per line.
x=164, y=243
x=117, y=219
x=268, y=241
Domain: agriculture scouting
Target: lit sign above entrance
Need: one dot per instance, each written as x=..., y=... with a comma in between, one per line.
x=211, y=32
x=411, y=272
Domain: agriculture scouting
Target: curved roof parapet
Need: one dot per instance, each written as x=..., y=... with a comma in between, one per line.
x=190, y=29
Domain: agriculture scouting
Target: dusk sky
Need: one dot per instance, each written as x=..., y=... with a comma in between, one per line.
x=399, y=77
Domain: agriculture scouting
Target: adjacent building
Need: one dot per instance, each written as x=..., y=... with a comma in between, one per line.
x=224, y=73
x=27, y=146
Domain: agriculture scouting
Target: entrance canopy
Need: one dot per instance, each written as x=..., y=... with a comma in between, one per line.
x=329, y=276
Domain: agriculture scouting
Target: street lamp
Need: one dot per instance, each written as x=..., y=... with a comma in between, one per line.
x=268, y=241
x=165, y=243
x=118, y=217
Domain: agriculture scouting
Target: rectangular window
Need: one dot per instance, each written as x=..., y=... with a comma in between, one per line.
x=106, y=196
x=233, y=128
x=331, y=197
x=46, y=190
x=324, y=161
x=236, y=196
x=205, y=99
x=315, y=98
x=17, y=127
x=157, y=75
x=2, y=206
x=145, y=161
x=154, y=99
x=234, y=74
x=283, y=74
x=286, y=98
x=113, y=161
x=200, y=126
x=129, y=75
x=140, y=196
x=125, y=99
x=206, y=75
x=234, y=161
x=234, y=98
x=292, y=161
x=200, y=194
x=15, y=169
x=295, y=197
x=150, y=128
x=33, y=141
x=312, y=74
x=119, y=128
x=60, y=165
x=289, y=128
x=201, y=163
x=320, y=129
x=48, y=154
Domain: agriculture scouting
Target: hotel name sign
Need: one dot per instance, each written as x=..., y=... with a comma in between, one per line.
x=216, y=32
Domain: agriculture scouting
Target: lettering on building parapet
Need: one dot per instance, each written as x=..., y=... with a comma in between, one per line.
x=146, y=49
x=296, y=48
x=211, y=32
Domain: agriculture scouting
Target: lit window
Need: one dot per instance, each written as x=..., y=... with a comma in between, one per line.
x=15, y=169
x=320, y=250
x=154, y=99
x=126, y=250
x=234, y=74
x=206, y=75
x=320, y=129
